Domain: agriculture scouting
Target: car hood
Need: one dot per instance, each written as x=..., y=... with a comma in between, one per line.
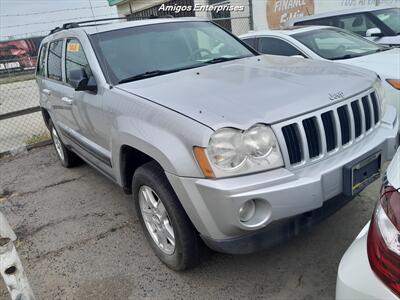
x=240, y=93
x=386, y=64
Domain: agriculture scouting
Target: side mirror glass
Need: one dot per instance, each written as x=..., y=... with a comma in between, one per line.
x=373, y=32
x=80, y=81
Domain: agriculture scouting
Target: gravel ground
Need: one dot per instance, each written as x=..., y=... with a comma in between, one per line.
x=80, y=239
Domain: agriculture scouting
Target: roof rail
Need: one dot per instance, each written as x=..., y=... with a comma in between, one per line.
x=128, y=18
x=135, y=18
x=77, y=24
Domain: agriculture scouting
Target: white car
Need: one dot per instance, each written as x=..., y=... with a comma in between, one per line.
x=335, y=44
x=378, y=24
x=370, y=268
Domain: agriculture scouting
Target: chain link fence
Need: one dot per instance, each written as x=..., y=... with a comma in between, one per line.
x=237, y=22
x=21, y=122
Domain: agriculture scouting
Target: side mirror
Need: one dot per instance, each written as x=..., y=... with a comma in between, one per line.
x=80, y=81
x=374, y=32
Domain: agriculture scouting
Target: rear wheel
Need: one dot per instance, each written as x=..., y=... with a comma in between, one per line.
x=68, y=158
x=165, y=224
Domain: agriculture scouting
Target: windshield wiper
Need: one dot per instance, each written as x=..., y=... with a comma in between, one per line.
x=147, y=74
x=347, y=56
x=154, y=73
x=382, y=49
x=223, y=59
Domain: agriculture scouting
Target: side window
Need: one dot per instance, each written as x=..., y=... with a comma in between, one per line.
x=75, y=58
x=277, y=47
x=40, y=70
x=324, y=21
x=252, y=42
x=358, y=23
x=54, y=60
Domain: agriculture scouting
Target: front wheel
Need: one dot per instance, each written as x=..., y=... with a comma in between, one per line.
x=165, y=224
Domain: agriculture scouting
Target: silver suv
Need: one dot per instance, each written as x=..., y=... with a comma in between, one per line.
x=218, y=145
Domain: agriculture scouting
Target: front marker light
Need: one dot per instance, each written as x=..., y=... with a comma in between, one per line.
x=394, y=83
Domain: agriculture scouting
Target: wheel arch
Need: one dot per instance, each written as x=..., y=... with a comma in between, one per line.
x=46, y=116
x=131, y=158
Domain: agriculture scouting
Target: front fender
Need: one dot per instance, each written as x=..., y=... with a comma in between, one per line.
x=168, y=139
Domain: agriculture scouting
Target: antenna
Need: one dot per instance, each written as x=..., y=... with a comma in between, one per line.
x=91, y=8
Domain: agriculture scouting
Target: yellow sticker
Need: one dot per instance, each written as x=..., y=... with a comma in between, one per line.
x=73, y=47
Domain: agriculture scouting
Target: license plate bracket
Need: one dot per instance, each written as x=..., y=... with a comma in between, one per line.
x=361, y=172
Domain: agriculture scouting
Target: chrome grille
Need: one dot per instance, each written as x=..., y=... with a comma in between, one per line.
x=322, y=133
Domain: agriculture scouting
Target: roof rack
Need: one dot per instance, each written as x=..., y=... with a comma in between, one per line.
x=135, y=18
x=87, y=23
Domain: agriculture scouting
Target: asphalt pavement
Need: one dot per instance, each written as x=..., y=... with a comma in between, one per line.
x=78, y=238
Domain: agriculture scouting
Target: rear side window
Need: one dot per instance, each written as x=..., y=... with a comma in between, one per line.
x=42, y=62
x=358, y=23
x=54, y=61
x=252, y=42
x=275, y=46
x=75, y=58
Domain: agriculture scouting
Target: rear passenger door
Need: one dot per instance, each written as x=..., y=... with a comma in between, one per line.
x=56, y=88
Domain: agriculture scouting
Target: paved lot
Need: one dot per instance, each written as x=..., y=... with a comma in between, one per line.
x=79, y=239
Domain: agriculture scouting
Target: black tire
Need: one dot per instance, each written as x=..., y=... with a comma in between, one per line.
x=69, y=159
x=188, y=245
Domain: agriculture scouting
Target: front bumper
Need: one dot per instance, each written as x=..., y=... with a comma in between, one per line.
x=212, y=205
x=355, y=278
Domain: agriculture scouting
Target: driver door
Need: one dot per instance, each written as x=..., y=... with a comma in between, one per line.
x=86, y=106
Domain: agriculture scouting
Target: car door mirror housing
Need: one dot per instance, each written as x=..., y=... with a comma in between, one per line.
x=374, y=32
x=80, y=81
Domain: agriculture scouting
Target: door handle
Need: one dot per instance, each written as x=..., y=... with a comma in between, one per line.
x=46, y=91
x=67, y=100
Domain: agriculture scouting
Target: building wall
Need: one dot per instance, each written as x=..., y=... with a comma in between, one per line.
x=124, y=9
x=238, y=23
x=270, y=14
x=262, y=14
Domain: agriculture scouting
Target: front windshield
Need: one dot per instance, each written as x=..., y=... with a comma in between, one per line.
x=336, y=44
x=129, y=53
x=390, y=17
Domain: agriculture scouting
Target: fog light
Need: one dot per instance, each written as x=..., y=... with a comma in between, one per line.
x=247, y=210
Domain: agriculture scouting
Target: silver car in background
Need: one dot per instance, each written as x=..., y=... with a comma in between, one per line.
x=218, y=144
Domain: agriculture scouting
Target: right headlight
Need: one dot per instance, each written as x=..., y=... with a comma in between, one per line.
x=233, y=152
x=380, y=92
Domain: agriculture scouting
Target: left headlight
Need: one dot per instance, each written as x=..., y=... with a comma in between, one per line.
x=232, y=152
